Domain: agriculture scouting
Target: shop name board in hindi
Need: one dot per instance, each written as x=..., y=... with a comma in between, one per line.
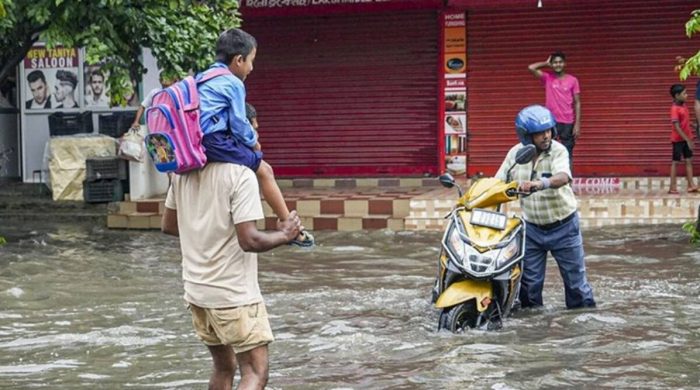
x=51, y=58
x=303, y=3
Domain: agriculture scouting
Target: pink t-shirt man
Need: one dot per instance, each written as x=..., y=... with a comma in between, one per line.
x=559, y=96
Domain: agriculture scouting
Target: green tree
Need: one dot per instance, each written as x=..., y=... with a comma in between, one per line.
x=180, y=33
x=688, y=67
x=693, y=230
x=691, y=66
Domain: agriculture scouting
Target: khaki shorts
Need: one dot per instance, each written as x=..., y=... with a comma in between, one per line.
x=243, y=328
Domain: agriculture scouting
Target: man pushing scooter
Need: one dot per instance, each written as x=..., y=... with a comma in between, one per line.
x=550, y=213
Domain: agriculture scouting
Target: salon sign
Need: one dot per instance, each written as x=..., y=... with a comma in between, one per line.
x=45, y=58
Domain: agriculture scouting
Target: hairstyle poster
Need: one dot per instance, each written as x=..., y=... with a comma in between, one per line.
x=96, y=94
x=51, y=78
x=96, y=90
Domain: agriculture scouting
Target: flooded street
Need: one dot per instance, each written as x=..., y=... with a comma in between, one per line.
x=86, y=307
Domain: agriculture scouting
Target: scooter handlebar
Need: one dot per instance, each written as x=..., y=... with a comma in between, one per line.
x=514, y=192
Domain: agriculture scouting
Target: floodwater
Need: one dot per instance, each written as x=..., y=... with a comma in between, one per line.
x=86, y=307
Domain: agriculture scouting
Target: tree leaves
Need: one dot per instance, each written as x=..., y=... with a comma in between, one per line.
x=180, y=33
x=692, y=229
x=691, y=66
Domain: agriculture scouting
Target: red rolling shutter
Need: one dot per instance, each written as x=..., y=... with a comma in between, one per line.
x=623, y=53
x=347, y=94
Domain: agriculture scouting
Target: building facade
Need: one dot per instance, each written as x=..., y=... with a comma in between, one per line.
x=368, y=88
x=408, y=88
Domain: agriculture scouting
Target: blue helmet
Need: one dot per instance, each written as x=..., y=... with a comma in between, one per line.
x=532, y=120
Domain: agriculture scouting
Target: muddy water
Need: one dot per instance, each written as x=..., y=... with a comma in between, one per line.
x=85, y=307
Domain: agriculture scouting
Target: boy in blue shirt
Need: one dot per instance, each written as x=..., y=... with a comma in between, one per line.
x=228, y=134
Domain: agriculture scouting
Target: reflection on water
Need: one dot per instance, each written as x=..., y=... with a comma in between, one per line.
x=86, y=307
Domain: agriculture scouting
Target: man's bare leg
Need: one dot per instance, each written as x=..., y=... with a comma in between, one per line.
x=254, y=368
x=672, y=187
x=689, y=175
x=224, y=367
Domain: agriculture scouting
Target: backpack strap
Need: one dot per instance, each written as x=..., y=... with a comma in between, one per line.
x=216, y=72
x=189, y=86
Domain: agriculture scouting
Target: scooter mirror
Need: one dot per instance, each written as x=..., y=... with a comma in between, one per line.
x=447, y=180
x=525, y=154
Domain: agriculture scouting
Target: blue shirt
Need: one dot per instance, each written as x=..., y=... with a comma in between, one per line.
x=222, y=107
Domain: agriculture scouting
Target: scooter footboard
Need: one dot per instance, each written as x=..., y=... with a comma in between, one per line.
x=463, y=291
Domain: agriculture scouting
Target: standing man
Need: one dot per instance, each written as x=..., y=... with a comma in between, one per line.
x=66, y=82
x=551, y=216
x=39, y=89
x=214, y=211
x=98, y=97
x=561, y=98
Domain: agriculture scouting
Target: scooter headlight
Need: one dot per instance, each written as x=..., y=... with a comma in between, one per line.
x=507, y=254
x=456, y=245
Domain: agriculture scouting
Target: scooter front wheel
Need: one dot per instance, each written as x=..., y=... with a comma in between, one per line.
x=460, y=317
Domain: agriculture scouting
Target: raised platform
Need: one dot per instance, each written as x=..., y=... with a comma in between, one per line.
x=421, y=204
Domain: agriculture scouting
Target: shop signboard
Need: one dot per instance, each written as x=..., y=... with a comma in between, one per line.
x=51, y=78
x=318, y=7
x=455, y=91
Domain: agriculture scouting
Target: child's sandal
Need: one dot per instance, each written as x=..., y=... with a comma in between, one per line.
x=305, y=241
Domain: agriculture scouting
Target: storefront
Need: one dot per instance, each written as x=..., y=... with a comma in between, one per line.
x=347, y=90
x=623, y=53
x=374, y=88
x=60, y=94
x=408, y=88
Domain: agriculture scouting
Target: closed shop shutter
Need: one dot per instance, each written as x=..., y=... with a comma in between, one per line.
x=347, y=95
x=623, y=53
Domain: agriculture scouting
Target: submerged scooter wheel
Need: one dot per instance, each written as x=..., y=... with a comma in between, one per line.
x=460, y=317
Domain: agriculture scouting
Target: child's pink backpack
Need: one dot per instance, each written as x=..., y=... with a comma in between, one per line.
x=174, y=139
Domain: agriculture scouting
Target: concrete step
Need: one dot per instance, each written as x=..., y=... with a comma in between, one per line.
x=340, y=204
x=13, y=188
x=40, y=207
x=98, y=219
x=325, y=208
x=625, y=208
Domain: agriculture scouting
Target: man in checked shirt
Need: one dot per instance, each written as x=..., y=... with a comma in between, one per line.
x=550, y=212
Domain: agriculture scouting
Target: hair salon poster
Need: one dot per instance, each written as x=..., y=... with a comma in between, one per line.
x=51, y=78
x=455, y=91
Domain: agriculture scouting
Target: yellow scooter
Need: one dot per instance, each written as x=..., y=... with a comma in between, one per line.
x=480, y=265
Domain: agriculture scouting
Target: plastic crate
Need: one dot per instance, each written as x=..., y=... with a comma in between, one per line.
x=68, y=124
x=115, y=124
x=98, y=168
x=102, y=191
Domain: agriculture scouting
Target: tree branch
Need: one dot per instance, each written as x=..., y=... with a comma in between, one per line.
x=21, y=52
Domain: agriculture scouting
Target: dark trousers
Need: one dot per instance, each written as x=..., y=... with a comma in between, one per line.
x=565, y=132
x=566, y=245
x=222, y=146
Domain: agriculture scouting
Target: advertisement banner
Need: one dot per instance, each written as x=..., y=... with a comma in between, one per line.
x=51, y=78
x=455, y=91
